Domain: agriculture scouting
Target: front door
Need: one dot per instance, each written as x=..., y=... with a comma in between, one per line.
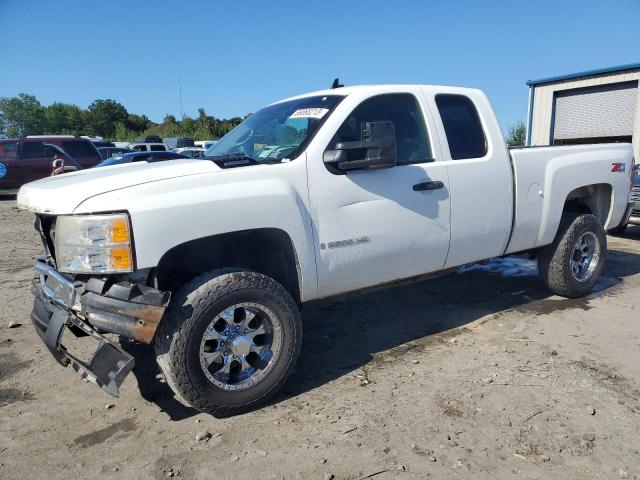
x=32, y=163
x=373, y=226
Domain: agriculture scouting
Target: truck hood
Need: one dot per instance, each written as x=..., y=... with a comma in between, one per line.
x=62, y=194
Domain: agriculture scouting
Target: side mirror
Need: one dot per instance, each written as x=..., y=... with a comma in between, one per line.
x=376, y=149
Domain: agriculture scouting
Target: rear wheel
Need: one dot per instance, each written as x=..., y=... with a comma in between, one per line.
x=573, y=263
x=230, y=341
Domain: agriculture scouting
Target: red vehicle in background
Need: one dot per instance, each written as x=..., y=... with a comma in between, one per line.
x=26, y=159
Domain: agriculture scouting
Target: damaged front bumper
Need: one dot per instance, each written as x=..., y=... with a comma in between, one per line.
x=91, y=309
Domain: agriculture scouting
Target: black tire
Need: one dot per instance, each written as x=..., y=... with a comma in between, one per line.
x=619, y=230
x=180, y=335
x=554, y=261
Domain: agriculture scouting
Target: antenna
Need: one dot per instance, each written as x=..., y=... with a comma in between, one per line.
x=180, y=89
x=336, y=83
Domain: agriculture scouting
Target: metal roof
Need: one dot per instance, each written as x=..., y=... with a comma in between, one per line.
x=587, y=73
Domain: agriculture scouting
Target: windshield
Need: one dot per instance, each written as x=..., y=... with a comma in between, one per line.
x=115, y=160
x=276, y=132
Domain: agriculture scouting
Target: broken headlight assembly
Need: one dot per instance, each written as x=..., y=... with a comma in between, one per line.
x=94, y=243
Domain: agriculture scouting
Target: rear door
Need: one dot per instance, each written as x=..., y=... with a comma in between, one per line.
x=480, y=175
x=32, y=163
x=9, y=175
x=372, y=226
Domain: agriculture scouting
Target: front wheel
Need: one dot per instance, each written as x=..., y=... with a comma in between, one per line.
x=573, y=263
x=229, y=341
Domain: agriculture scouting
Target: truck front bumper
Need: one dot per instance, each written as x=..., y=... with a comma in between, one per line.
x=91, y=309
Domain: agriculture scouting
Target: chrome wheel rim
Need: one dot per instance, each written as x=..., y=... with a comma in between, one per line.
x=240, y=346
x=585, y=257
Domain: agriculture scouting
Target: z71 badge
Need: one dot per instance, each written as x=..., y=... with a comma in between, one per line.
x=346, y=243
x=618, y=167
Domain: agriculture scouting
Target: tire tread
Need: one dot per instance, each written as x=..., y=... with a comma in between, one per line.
x=191, y=299
x=553, y=261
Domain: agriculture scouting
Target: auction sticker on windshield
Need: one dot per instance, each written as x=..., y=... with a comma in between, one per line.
x=3, y=170
x=309, y=113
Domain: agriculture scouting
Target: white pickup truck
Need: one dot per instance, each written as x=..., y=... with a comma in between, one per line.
x=310, y=197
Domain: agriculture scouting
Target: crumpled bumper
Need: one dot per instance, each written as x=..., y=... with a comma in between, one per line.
x=99, y=307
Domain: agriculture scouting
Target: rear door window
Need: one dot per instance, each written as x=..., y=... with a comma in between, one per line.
x=462, y=126
x=33, y=150
x=78, y=148
x=9, y=151
x=157, y=148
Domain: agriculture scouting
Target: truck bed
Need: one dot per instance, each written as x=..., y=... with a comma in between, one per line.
x=545, y=176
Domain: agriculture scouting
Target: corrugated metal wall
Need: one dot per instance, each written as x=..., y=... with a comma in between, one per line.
x=543, y=103
x=602, y=111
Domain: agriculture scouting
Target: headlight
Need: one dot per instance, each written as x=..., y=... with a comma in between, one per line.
x=93, y=243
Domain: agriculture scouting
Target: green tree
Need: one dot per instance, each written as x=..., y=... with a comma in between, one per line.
x=517, y=134
x=21, y=115
x=171, y=127
x=103, y=116
x=138, y=123
x=64, y=118
x=124, y=134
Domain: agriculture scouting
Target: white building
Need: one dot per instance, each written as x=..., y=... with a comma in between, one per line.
x=596, y=106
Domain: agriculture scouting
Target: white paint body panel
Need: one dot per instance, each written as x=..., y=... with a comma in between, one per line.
x=408, y=230
x=554, y=172
x=410, y=233
x=477, y=234
x=63, y=193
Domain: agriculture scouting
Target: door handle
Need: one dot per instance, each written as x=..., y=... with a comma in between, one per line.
x=421, y=187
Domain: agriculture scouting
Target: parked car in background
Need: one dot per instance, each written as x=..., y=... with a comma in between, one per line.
x=191, y=152
x=635, y=199
x=78, y=148
x=148, y=139
x=26, y=159
x=98, y=142
x=178, y=142
x=147, y=147
x=634, y=205
x=103, y=144
x=204, y=144
x=140, y=157
x=106, y=152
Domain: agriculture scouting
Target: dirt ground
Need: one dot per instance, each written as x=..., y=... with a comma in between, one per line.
x=478, y=374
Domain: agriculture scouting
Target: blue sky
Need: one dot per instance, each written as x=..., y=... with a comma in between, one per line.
x=236, y=56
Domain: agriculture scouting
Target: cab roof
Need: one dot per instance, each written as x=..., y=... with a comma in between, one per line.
x=377, y=88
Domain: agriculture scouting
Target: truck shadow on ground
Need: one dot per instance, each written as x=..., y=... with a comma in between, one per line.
x=342, y=335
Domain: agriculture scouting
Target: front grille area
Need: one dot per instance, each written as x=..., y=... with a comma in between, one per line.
x=635, y=193
x=46, y=226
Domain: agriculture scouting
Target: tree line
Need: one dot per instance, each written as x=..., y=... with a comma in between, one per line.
x=24, y=115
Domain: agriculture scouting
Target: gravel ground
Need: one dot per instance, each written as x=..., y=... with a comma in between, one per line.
x=478, y=374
